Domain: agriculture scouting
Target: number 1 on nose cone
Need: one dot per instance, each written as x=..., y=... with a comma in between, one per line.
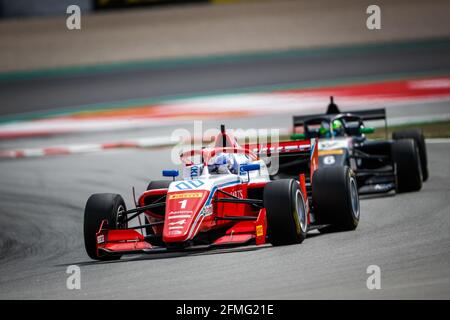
x=183, y=203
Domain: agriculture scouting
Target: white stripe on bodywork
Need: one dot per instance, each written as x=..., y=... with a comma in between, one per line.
x=180, y=216
x=176, y=228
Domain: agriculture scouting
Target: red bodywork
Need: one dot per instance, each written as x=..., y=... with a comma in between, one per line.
x=219, y=223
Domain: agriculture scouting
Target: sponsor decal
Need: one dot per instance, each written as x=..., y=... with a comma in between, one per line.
x=187, y=212
x=207, y=210
x=333, y=144
x=330, y=152
x=384, y=186
x=195, y=170
x=259, y=230
x=189, y=184
x=237, y=193
x=100, y=239
x=185, y=195
x=180, y=216
x=179, y=222
x=301, y=147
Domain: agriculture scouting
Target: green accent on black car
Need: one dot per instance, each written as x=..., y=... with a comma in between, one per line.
x=298, y=136
x=366, y=130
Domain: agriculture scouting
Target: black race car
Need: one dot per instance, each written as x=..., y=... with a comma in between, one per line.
x=380, y=166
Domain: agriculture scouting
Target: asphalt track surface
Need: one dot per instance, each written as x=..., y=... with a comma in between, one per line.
x=42, y=202
x=41, y=217
x=50, y=93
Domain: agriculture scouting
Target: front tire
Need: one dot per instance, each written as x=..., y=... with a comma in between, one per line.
x=406, y=158
x=419, y=138
x=99, y=207
x=286, y=212
x=335, y=198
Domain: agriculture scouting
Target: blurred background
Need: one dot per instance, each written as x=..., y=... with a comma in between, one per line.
x=92, y=110
x=141, y=64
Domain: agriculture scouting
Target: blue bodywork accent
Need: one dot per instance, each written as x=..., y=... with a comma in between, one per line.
x=213, y=190
x=312, y=148
x=250, y=167
x=170, y=173
x=189, y=184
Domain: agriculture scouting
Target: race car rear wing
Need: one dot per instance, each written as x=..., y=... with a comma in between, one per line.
x=371, y=114
x=304, y=147
x=365, y=115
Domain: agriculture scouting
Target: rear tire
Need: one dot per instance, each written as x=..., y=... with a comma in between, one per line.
x=406, y=157
x=335, y=198
x=99, y=207
x=419, y=138
x=285, y=211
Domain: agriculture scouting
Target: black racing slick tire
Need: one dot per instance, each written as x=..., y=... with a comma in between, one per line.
x=335, y=199
x=157, y=184
x=285, y=211
x=99, y=207
x=406, y=158
x=419, y=138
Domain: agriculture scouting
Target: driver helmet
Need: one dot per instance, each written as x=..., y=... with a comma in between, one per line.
x=338, y=128
x=222, y=163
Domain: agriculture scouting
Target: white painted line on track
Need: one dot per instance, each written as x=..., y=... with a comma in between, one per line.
x=438, y=140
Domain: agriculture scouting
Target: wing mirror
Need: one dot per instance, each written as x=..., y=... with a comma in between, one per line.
x=250, y=167
x=170, y=173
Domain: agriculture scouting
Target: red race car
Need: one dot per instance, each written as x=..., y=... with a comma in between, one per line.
x=227, y=197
